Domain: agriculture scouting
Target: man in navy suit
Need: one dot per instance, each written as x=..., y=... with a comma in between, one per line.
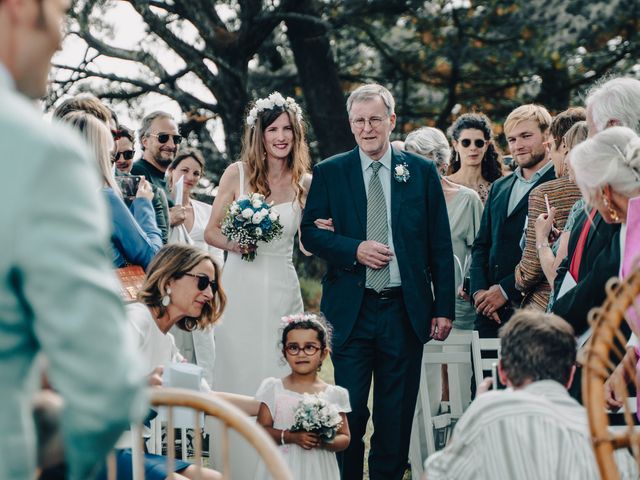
x=389, y=286
x=497, y=250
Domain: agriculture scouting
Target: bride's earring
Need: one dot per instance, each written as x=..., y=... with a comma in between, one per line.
x=166, y=299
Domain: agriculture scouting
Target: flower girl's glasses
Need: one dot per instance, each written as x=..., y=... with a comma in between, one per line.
x=294, y=349
x=204, y=282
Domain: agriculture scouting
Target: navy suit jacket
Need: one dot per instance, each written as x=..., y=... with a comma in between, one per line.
x=496, y=250
x=421, y=237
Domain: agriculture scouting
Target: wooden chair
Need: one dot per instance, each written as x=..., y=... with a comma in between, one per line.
x=229, y=415
x=454, y=352
x=600, y=357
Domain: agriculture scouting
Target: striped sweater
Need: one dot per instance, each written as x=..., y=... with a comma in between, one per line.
x=530, y=279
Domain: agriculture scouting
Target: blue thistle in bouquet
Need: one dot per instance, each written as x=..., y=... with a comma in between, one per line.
x=249, y=220
x=314, y=414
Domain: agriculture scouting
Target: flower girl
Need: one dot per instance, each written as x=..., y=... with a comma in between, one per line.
x=303, y=414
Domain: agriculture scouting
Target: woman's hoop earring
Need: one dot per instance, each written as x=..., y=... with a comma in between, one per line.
x=166, y=299
x=612, y=212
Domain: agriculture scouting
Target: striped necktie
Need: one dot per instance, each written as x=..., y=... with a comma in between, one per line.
x=377, y=228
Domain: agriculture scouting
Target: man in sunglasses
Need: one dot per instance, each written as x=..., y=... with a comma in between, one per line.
x=159, y=138
x=124, y=151
x=58, y=294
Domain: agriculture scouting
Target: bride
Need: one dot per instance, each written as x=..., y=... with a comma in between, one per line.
x=274, y=162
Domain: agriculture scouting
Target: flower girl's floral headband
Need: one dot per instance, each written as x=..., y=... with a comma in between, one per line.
x=274, y=100
x=302, y=317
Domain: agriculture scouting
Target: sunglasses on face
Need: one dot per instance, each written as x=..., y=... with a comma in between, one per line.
x=126, y=154
x=295, y=349
x=164, y=137
x=478, y=142
x=204, y=282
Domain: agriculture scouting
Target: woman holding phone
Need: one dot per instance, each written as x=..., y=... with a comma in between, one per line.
x=136, y=237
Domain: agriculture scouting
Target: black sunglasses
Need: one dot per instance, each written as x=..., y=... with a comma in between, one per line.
x=127, y=154
x=478, y=142
x=204, y=282
x=164, y=137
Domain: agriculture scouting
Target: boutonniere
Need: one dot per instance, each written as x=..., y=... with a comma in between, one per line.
x=401, y=173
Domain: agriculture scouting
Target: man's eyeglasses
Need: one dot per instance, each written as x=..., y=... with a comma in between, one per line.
x=374, y=122
x=204, y=282
x=295, y=349
x=478, y=142
x=164, y=137
x=126, y=154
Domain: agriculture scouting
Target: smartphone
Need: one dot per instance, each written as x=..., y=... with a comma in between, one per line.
x=466, y=285
x=129, y=185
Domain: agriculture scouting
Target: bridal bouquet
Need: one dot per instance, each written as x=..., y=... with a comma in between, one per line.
x=249, y=220
x=315, y=415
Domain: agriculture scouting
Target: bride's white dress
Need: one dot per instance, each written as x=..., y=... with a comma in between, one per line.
x=259, y=294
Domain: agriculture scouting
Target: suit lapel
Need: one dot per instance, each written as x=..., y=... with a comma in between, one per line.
x=597, y=219
x=524, y=201
x=397, y=188
x=501, y=200
x=355, y=183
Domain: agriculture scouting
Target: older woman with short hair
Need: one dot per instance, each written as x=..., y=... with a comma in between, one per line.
x=464, y=208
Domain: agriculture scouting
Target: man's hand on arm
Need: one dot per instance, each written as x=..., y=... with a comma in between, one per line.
x=373, y=254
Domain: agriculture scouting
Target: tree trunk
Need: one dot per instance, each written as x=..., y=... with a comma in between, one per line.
x=319, y=78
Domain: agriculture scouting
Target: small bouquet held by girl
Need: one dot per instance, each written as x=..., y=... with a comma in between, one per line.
x=302, y=413
x=314, y=414
x=249, y=220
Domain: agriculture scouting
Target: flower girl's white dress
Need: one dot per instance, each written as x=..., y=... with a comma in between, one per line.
x=314, y=464
x=259, y=294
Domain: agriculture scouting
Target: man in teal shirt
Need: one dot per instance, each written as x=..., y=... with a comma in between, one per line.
x=58, y=295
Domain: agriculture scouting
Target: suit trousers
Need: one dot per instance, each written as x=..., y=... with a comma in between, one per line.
x=382, y=344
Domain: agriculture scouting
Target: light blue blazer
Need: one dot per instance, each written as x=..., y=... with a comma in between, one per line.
x=58, y=295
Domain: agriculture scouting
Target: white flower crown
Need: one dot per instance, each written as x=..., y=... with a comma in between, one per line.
x=274, y=100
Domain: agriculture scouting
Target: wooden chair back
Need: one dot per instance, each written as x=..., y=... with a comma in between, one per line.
x=230, y=417
x=603, y=352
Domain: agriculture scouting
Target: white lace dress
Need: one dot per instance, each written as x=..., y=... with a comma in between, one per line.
x=314, y=464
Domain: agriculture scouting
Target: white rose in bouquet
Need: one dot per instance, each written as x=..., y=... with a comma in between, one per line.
x=257, y=218
x=247, y=213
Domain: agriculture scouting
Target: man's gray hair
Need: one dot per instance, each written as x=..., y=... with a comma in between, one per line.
x=369, y=92
x=148, y=120
x=616, y=99
x=431, y=143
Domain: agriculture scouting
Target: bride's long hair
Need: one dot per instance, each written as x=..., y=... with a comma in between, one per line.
x=254, y=156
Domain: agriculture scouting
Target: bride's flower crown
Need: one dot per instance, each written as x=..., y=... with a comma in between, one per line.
x=274, y=100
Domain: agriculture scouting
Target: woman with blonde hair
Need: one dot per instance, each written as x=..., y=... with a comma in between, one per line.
x=182, y=289
x=274, y=162
x=136, y=237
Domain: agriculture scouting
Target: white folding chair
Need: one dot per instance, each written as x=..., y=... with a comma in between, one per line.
x=454, y=352
x=486, y=352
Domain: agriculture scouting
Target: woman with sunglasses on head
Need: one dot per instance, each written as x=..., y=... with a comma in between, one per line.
x=135, y=238
x=124, y=151
x=476, y=162
x=274, y=162
x=181, y=289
